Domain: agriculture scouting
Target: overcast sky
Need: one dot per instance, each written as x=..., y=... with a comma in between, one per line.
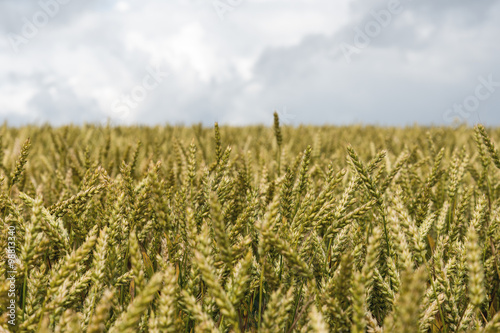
x=236, y=61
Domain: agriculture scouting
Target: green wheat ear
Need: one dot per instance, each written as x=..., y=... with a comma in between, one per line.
x=277, y=130
x=20, y=164
x=477, y=293
x=279, y=139
x=489, y=145
x=218, y=144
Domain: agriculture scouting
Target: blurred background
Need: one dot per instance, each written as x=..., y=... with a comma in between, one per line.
x=237, y=61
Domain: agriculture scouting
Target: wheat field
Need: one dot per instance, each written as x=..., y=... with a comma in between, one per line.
x=250, y=229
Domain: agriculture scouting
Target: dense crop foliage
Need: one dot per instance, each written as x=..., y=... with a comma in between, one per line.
x=253, y=229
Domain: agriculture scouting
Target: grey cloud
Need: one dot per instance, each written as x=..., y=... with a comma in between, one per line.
x=53, y=100
x=400, y=78
x=375, y=87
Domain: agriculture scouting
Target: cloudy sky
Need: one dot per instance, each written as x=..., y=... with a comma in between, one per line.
x=384, y=62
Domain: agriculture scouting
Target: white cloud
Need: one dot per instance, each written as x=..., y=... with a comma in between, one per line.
x=122, y=6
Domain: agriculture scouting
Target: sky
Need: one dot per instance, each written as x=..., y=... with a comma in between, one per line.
x=390, y=62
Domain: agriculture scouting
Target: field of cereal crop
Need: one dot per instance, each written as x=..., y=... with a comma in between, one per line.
x=249, y=229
